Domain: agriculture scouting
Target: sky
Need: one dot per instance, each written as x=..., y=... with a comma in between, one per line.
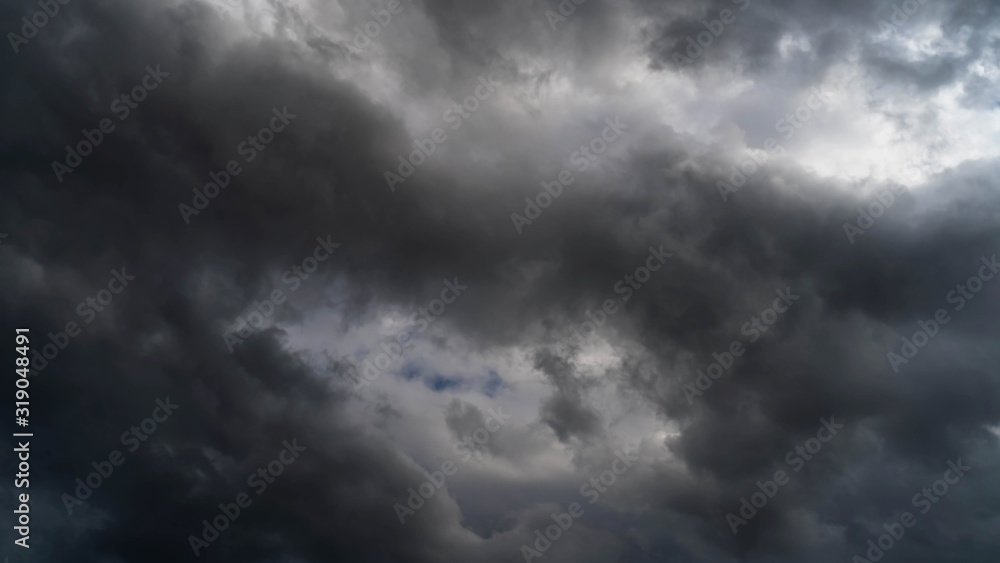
x=610, y=281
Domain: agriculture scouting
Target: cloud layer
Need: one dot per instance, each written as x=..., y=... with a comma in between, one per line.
x=763, y=242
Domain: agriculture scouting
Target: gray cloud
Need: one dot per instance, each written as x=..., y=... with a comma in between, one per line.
x=508, y=341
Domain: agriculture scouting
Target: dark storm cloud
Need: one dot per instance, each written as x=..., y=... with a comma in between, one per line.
x=565, y=412
x=835, y=31
x=324, y=175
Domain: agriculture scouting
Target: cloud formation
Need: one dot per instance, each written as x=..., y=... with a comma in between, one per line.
x=533, y=335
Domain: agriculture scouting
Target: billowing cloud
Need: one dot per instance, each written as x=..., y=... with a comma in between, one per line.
x=692, y=281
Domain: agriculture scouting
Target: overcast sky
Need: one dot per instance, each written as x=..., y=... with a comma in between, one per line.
x=693, y=281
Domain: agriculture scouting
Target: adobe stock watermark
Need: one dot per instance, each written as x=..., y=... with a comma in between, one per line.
x=796, y=459
x=426, y=147
x=393, y=349
x=877, y=548
x=365, y=33
x=566, y=9
x=592, y=491
x=583, y=158
x=788, y=126
x=122, y=107
x=626, y=286
x=900, y=15
x=248, y=149
x=884, y=199
x=753, y=328
x=436, y=479
x=259, y=480
x=960, y=297
x=262, y=311
x=133, y=438
x=40, y=19
x=714, y=29
x=88, y=309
